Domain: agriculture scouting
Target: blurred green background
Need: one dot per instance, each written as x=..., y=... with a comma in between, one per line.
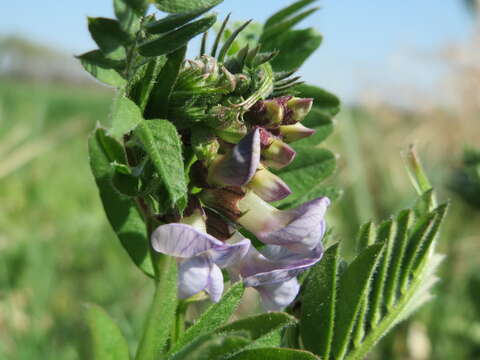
x=57, y=252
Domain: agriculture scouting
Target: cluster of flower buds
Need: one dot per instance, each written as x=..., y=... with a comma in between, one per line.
x=235, y=191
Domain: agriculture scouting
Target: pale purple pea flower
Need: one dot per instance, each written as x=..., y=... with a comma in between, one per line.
x=237, y=167
x=300, y=230
x=200, y=255
x=291, y=133
x=269, y=186
x=278, y=154
x=272, y=272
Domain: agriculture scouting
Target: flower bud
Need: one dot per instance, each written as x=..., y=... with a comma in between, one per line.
x=228, y=81
x=266, y=113
x=232, y=132
x=297, y=109
x=204, y=144
x=269, y=186
x=291, y=133
x=278, y=154
x=243, y=82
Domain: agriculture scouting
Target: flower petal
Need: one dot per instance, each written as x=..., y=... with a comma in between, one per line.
x=229, y=254
x=275, y=264
x=215, y=284
x=291, y=133
x=305, y=229
x=278, y=154
x=278, y=296
x=181, y=240
x=239, y=166
x=193, y=276
x=269, y=186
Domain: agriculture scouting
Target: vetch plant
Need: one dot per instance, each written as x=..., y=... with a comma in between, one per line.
x=210, y=170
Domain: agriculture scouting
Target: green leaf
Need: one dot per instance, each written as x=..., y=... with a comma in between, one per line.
x=322, y=125
x=216, y=315
x=162, y=143
x=158, y=105
x=161, y=317
x=181, y=6
x=285, y=26
x=386, y=235
x=318, y=308
x=304, y=175
x=408, y=274
x=274, y=354
x=177, y=38
x=143, y=80
x=102, y=68
x=353, y=286
x=420, y=242
x=366, y=236
x=404, y=222
x=283, y=14
x=129, y=13
x=109, y=36
x=172, y=22
x=323, y=101
x=263, y=329
x=107, y=339
x=302, y=43
x=125, y=117
x=122, y=212
x=208, y=347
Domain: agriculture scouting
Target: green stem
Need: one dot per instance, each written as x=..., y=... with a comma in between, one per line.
x=156, y=332
x=179, y=328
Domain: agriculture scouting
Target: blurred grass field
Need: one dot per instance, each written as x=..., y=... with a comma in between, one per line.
x=57, y=253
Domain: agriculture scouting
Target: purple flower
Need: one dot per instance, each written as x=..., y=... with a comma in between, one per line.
x=269, y=186
x=273, y=271
x=291, y=133
x=237, y=167
x=200, y=255
x=299, y=230
x=278, y=154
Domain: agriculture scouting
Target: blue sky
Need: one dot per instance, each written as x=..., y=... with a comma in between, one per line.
x=367, y=43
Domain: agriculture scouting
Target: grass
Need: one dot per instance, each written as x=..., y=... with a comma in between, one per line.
x=56, y=249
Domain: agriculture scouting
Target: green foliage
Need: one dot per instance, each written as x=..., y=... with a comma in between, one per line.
x=102, y=68
x=122, y=212
x=274, y=354
x=164, y=84
x=125, y=117
x=170, y=22
x=143, y=80
x=279, y=35
x=389, y=279
x=108, y=341
x=161, y=142
x=263, y=330
x=208, y=347
x=161, y=317
x=216, y=315
x=319, y=303
x=176, y=39
x=182, y=6
x=109, y=36
x=129, y=13
x=283, y=14
x=305, y=174
x=465, y=180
